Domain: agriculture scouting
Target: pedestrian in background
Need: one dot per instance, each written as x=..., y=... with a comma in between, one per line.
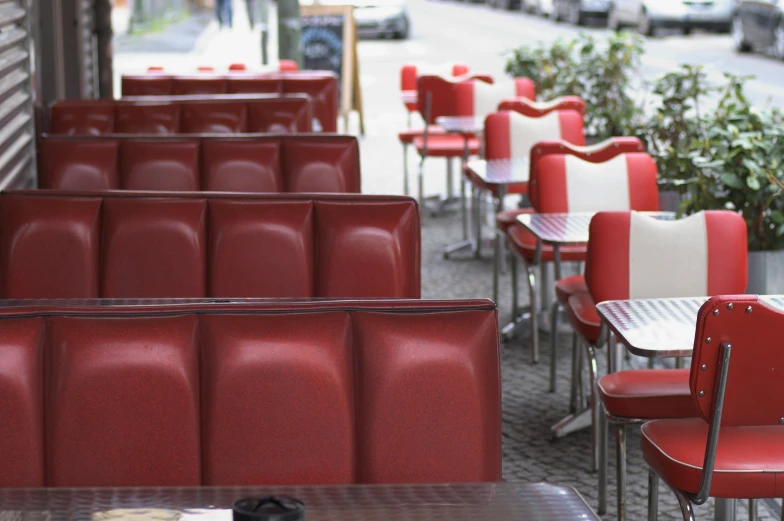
x=225, y=13
x=251, y=5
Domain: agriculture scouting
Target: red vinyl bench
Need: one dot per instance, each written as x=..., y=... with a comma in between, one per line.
x=322, y=87
x=193, y=245
x=263, y=163
x=275, y=392
x=285, y=113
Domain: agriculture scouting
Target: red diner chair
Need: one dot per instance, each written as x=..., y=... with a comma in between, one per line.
x=499, y=146
x=238, y=67
x=634, y=256
x=409, y=74
x=510, y=134
x=436, y=97
x=568, y=183
x=205, y=68
x=733, y=447
x=154, y=68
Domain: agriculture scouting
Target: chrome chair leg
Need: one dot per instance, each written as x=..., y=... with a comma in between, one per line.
x=497, y=247
x=513, y=270
x=450, y=189
x=620, y=468
x=687, y=510
x=553, y=343
x=479, y=199
x=534, y=312
x=593, y=372
x=421, y=186
x=405, y=168
x=753, y=514
x=463, y=208
x=653, y=495
x=602, y=428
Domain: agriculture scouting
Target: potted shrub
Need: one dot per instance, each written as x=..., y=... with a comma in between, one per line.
x=737, y=165
x=601, y=72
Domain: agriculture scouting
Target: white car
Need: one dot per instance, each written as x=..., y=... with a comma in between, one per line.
x=648, y=15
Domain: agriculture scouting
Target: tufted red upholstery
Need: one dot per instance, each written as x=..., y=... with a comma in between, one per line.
x=128, y=245
x=249, y=393
x=284, y=163
x=284, y=113
x=321, y=86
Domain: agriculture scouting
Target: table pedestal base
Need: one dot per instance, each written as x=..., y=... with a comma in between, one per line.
x=572, y=423
x=437, y=205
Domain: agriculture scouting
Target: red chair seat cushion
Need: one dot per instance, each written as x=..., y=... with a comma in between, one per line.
x=407, y=136
x=525, y=244
x=446, y=145
x=581, y=310
x=749, y=460
x=648, y=394
x=505, y=219
x=569, y=286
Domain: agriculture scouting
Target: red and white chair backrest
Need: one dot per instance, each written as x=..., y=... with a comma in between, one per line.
x=510, y=134
x=567, y=183
x=752, y=382
x=409, y=74
x=440, y=93
x=476, y=98
x=635, y=256
x=529, y=107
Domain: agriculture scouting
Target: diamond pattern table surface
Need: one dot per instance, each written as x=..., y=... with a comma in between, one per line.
x=462, y=124
x=500, y=171
x=441, y=502
x=567, y=228
x=408, y=96
x=657, y=328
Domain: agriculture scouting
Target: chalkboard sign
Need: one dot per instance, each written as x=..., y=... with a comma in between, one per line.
x=328, y=42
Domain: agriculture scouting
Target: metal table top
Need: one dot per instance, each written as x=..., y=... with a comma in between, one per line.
x=462, y=124
x=409, y=96
x=501, y=171
x=658, y=328
x=566, y=228
x=469, y=502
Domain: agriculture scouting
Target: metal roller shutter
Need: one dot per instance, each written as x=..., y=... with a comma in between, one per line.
x=17, y=128
x=89, y=48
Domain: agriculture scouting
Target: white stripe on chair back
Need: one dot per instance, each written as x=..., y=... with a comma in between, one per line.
x=593, y=187
x=525, y=132
x=668, y=259
x=487, y=96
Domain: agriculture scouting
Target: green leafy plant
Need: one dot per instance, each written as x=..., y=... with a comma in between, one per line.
x=739, y=166
x=601, y=72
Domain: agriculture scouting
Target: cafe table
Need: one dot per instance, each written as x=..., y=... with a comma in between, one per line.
x=426, y=502
x=661, y=328
x=409, y=97
x=497, y=174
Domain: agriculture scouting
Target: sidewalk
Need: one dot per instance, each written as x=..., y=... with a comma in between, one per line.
x=198, y=40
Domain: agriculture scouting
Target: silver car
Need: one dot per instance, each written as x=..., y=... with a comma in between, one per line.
x=648, y=15
x=377, y=18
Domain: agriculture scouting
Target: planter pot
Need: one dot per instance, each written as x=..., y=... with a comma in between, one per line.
x=766, y=272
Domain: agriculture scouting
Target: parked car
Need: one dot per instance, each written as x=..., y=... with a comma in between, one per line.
x=759, y=25
x=377, y=18
x=649, y=15
x=540, y=7
x=576, y=11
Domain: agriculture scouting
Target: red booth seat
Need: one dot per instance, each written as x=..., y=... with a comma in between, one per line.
x=192, y=245
x=276, y=392
x=286, y=113
x=285, y=163
x=322, y=87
